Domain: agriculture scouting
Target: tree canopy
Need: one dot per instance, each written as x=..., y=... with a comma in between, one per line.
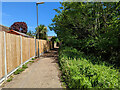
x=91, y=27
x=41, y=32
x=19, y=26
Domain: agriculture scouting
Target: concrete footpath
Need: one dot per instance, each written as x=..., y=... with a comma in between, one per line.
x=43, y=73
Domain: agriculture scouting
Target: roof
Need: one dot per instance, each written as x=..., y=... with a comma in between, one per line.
x=19, y=33
x=4, y=28
x=49, y=37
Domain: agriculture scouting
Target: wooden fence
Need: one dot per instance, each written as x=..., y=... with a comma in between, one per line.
x=16, y=50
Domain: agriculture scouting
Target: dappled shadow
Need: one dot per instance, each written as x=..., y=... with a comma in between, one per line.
x=52, y=54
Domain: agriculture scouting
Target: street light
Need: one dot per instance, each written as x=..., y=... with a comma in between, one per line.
x=37, y=25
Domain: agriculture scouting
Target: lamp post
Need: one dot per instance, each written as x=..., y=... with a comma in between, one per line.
x=37, y=26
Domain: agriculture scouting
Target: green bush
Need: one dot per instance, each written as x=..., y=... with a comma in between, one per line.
x=82, y=73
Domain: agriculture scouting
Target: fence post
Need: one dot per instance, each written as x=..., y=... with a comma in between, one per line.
x=29, y=47
x=35, y=48
x=38, y=48
x=21, y=50
x=5, y=56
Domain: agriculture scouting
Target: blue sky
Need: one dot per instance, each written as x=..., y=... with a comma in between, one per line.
x=26, y=12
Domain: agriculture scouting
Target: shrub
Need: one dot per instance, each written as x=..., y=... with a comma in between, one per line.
x=82, y=73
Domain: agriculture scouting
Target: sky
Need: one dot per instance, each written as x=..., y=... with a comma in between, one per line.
x=26, y=12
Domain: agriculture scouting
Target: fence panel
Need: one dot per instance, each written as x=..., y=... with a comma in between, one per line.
x=43, y=45
x=32, y=47
x=39, y=46
x=12, y=51
x=25, y=49
x=2, y=63
x=14, y=55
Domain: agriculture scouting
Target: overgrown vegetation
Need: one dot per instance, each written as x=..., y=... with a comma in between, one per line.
x=92, y=29
x=80, y=71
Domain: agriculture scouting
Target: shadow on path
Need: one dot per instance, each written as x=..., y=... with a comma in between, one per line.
x=52, y=54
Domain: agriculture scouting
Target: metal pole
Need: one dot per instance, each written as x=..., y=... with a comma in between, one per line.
x=21, y=50
x=37, y=28
x=35, y=48
x=5, y=56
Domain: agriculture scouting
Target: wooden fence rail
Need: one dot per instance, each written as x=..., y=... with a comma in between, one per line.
x=16, y=50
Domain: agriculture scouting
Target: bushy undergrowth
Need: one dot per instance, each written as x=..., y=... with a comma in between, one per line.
x=81, y=72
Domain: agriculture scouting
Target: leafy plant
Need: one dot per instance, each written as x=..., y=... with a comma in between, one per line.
x=18, y=71
x=33, y=58
x=10, y=79
x=82, y=73
x=24, y=66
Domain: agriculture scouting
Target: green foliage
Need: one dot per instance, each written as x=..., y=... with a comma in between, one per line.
x=33, y=58
x=24, y=66
x=91, y=27
x=55, y=39
x=31, y=61
x=86, y=73
x=18, y=71
x=31, y=33
x=41, y=32
x=10, y=79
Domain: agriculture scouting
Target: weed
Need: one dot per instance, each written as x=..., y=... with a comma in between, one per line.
x=31, y=61
x=26, y=63
x=24, y=66
x=18, y=71
x=10, y=79
x=33, y=58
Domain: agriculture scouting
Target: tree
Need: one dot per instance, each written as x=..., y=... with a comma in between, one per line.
x=19, y=26
x=31, y=33
x=41, y=32
x=93, y=28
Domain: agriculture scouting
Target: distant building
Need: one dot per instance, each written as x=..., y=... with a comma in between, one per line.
x=50, y=37
x=19, y=33
x=4, y=28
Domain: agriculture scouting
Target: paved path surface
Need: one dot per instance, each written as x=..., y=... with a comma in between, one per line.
x=43, y=73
